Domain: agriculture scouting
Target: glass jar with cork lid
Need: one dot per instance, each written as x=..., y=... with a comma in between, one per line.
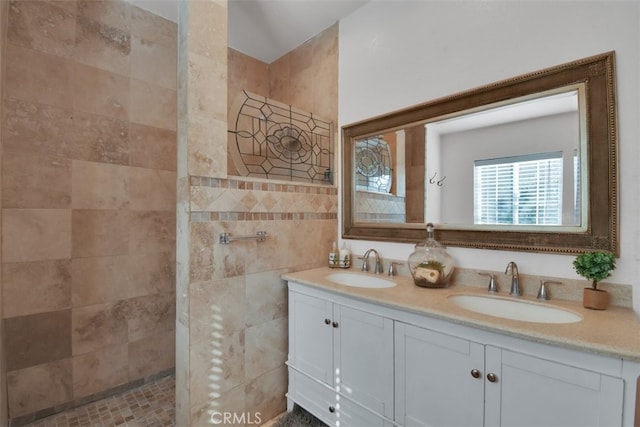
x=430, y=264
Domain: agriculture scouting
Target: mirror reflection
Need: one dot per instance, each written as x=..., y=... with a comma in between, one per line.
x=506, y=164
x=528, y=163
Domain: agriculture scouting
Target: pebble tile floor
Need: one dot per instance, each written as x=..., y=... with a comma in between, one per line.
x=151, y=405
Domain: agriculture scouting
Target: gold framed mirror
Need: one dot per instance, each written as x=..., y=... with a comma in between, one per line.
x=446, y=159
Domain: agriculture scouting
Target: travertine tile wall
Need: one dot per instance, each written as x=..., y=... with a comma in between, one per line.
x=88, y=199
x=415, y=173
x=236, y=294
x=232, y=310
x=202, y=148
x=307, y=77
x=378, y=207
x=245, y=74
x=4, y=13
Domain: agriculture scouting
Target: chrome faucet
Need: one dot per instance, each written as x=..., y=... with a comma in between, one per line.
x=365, y=262
x=515, y=278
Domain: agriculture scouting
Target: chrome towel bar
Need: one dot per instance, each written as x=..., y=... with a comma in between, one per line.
x=226, y=238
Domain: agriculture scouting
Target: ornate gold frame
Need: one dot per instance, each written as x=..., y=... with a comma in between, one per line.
x=601, y=233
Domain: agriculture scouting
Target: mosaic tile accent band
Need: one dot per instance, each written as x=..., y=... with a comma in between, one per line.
x=204, y=181
x=259, y=216
x=236, y=200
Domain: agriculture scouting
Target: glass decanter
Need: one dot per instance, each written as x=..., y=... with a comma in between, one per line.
x=430, y=264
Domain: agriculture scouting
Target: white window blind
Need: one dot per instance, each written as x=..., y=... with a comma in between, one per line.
x=519, y=190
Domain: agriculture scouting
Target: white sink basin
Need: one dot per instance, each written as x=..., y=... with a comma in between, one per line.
x=360, y=280
x=515, y=309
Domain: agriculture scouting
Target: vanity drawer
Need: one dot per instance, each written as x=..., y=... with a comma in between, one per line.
x=325, y=404
x=313, y=396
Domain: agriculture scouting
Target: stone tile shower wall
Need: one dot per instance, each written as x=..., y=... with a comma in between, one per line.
x=233, y=311
x=305, y=78
x=238, y=313
x=88, y=200
x=4, y=13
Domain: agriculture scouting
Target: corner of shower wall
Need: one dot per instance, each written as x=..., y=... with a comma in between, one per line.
x=231, y=320
x=4, y=416
x=274, y=110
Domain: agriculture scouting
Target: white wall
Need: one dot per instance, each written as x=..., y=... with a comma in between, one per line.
x=397, y=53
x=459, y=151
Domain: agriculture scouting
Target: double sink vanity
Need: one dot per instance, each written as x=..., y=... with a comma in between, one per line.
x=372, y=350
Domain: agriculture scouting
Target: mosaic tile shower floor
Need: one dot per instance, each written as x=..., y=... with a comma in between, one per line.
x=151, y=405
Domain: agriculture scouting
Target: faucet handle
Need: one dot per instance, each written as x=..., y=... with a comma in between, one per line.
x=493, y=286
x=543, y=293
x=392, y=268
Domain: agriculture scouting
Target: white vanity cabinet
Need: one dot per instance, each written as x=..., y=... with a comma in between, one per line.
x=357, y=362
x=340, y=360
x=443, y=380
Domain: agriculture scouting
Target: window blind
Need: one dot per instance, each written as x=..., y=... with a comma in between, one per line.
x=519, y=190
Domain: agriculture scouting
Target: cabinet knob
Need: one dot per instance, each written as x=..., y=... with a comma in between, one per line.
x=492, y=377
x=327, y=321
x=475, y=373
x=335, y=324
x=332, y=409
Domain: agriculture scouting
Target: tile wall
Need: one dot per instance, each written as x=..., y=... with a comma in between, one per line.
x=232, y=308
x=238, y=303
x=415, y=174
x=248, y=74
x=202, y=137
x=88, y=200
x=378, y=207
x=4, y=13
x=307, y=77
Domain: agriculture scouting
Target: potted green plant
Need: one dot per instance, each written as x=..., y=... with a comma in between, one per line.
x=595, y=266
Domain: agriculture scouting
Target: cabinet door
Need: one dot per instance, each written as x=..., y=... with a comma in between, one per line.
x=364, y=359
x=436, y=382
x=536, y=392
x=311, y=336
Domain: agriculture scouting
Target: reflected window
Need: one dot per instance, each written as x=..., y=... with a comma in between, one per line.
x=519, y=190
x=373, y=165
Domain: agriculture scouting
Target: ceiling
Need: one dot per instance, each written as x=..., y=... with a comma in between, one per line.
x=267, y=29
x=515, y=110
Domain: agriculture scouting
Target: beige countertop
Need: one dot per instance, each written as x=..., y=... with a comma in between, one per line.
x=613, y=332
